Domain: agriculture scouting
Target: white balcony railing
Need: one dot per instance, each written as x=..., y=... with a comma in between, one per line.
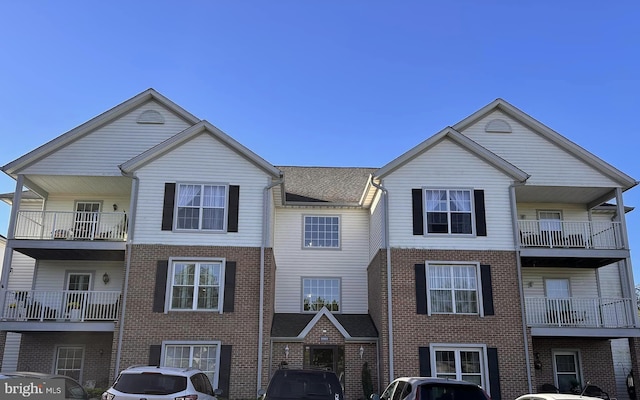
x=580, y=312
x=72, y=305
x=71, y=225
x=571, y=234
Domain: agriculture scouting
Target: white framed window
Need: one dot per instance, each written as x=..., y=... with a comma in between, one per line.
x=196, y=285
x=461, y=362
x=453, y=288
x=320, y=292
x=566, y=370
x=201, y=207
x=321, y=231
x=202, y=355
x=449, y=211
x=69, y=361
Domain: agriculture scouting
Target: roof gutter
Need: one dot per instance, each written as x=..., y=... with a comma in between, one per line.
x=385, y=204
x=263, y=244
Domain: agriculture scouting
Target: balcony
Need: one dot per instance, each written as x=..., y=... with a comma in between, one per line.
x=570, y=234
x=550, y=243
x=71, y=225
x=59, y=311
x=598, y=312
x=61, y=305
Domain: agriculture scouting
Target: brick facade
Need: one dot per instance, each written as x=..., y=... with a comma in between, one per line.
x=144, y=328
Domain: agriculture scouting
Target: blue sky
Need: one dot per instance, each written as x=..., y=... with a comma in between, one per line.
x=327, y=83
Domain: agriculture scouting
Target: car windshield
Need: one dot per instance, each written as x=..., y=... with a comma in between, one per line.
x=150, y=383
x=451, y=392
x=304, y=385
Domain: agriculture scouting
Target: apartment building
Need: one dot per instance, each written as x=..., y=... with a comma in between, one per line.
x=495, y=251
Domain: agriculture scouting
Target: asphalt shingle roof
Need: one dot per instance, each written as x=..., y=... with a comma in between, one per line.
x=290, y=325
x=325, y=184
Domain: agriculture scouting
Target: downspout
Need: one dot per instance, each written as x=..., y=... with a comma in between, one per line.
x=265, y=233
x=385, y=194
x=132, y=216
x=516, y=236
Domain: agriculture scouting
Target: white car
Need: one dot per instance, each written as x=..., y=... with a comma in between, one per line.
x=161, y=383
x=555, y=396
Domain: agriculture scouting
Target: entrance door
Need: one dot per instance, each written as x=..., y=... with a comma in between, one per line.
x=329, y=358
x=567, y=370
x=86, y=221
x=78, y=285
x=558, y=300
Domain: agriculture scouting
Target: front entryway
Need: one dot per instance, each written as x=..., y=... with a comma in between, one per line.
x=330, y=358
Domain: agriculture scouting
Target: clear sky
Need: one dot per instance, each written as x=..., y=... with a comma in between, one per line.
x=331, y=82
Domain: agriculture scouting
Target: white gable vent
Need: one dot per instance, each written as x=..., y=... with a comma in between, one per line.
x=150, y=117
x=498, y=126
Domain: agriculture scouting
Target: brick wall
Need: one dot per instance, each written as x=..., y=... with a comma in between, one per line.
x=503, y=330
x=595, y=358
x=143, y=328
x=38, y=352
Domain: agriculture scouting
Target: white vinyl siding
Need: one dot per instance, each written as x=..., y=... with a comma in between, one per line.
x=11, y=352
x=51, y=274
x=349, y=264
x=544, y=161
x=202, y=159
x=582, y=281
x=435, y=169
x=376, y=226
x=100, y=152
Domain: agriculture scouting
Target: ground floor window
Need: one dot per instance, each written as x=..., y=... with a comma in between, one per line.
x=461, y=363
x=202, y=355
x=566, y=367
x=69, y=361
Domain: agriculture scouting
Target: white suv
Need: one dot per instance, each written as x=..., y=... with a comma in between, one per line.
x=161, y=383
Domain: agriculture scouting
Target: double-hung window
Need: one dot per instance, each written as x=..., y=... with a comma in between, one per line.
x=453, y=289
x=201, y=207
x=321, y=231
x=449, y=211
x=196, y=285
x=461, y=363
x=201, y=355
x=321, y=292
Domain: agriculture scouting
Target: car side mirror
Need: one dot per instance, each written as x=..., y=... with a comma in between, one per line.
x=374, y=397
x=261, y=392
x=217, y=392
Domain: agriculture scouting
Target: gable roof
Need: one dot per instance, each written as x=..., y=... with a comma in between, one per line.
x=325, y=185
x=351, y=326
x=189, y=133
x=15, y=166
x=554, y=137
x=462, y=141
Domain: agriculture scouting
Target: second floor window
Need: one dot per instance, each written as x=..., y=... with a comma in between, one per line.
x=321, y=232
x=196, y=285
x=321, y=292
x=453, y=289
x=201, y=207
x=449, y=211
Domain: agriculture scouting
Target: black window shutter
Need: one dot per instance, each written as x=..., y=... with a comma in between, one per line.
x=418, y=211
x=167, y=208
x=229, y=286
x=494, y=373
x=234, y=205
x=154, y=354
x=421, y=289
x=161, y=286
x=481, y=219
x=225, y=370
x=487, y=289
x=425, y=361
